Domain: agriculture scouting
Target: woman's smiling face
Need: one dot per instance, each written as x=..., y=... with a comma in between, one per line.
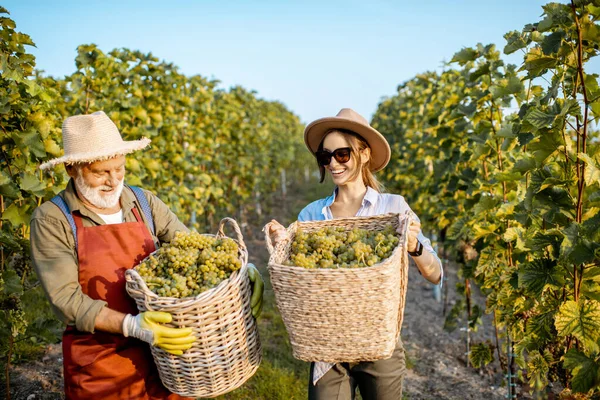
x=340, y=173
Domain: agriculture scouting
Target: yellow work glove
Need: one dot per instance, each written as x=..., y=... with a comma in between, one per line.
x=147, y=326
x=258, y=288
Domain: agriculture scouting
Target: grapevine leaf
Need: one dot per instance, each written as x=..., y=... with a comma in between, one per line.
x=552, y=42
x=31, y=141
x=515, y=41
x=16, y=215
x=31, y=183
x=10, y=191
x=537, y=368
x=536, y=63
x=539, y=119
x=525, y=164
x=544, y=147
x=576, y=246
x=541, y=240
x=542, y=325
x=538, y=275
x=4, y=178
x=481, y=354
x=465, y=55
x=585, y=370
x=580, y=319
x=12, y=283
x=506, y=131
x=592, y=170
x=507, y=176
x=595, y=107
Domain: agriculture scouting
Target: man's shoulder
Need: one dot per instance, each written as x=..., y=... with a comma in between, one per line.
x=47, y=211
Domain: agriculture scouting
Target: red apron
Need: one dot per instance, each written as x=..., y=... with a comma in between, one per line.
x=103, y=365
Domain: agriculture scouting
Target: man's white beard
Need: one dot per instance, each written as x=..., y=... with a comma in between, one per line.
x=95, y=197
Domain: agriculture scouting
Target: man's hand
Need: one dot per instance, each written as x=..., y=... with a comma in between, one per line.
x=258, y=287
x=147, y=326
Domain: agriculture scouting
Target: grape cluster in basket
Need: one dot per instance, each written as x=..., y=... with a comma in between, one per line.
x=339, y=248
x=191, y=264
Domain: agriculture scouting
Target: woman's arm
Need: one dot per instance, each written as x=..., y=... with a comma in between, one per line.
x=428, y=262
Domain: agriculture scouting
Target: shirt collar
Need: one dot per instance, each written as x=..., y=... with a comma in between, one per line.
x=371, y=197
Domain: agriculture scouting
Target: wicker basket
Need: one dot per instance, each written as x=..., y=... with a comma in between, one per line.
x=227, y=351
x=344, y=314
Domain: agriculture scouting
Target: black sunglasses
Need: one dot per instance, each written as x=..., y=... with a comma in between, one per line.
x=342, y=156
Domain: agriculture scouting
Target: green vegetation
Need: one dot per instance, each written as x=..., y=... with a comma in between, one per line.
x=504, y=161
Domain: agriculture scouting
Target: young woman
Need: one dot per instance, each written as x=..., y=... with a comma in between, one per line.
x=350, y=151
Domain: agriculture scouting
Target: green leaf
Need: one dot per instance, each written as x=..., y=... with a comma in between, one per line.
x=536, y=63
x=544, y=146
x=580, y=319
x=545, y=24
x=31, y=141
x=506, y=131
x=16, y=215
x=515, y=41
x=585, y=370
x=31, y=183
x=465, y=55
x=12, y=282
x=469, y=109
x=539, y=119
x=540, y=274
x=552, y=42
x=595, y=107
x=525, y=164
x=507, y=176
x=4, y=178
x=10, y=191
x=537, y=368
x=481, y=354
x=592, y=171
x=577, y=246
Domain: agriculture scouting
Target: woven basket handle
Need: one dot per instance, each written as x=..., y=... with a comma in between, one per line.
x=142, y=288
x=266, y=230
x=238, y=233
x=404, y=221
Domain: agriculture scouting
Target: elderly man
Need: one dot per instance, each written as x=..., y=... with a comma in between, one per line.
x=82, y=241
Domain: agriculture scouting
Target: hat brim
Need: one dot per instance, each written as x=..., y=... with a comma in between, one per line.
x=125, y=147
x=380, y=149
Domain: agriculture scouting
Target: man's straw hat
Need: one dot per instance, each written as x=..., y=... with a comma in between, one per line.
x=93, y=137
x=349, y=119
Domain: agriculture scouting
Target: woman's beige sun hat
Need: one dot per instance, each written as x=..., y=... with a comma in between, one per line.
x=350, y=120
x=93, y=137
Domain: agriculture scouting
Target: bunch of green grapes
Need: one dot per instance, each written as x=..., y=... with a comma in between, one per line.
x=191, y=264
x=338, y=248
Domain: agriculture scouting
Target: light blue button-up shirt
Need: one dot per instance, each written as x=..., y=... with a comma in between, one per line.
x=374, y=203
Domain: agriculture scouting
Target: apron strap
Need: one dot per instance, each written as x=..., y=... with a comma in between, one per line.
x=143, y=202
x=62, y=205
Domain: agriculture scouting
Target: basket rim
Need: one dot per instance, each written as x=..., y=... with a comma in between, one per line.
x=133, y=274
x=293, y=228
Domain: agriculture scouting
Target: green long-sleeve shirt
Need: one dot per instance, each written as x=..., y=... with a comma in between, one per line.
x=55, y=258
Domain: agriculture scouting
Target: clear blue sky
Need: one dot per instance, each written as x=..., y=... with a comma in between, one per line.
x=314, y=56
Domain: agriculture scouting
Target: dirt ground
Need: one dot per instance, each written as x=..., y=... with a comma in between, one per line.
x=436, y=358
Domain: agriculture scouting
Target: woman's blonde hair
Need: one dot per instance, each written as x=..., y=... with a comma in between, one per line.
x=357, y=144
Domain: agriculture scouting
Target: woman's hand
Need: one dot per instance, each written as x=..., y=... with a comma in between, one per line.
x=277, y=232
x=413, y=232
